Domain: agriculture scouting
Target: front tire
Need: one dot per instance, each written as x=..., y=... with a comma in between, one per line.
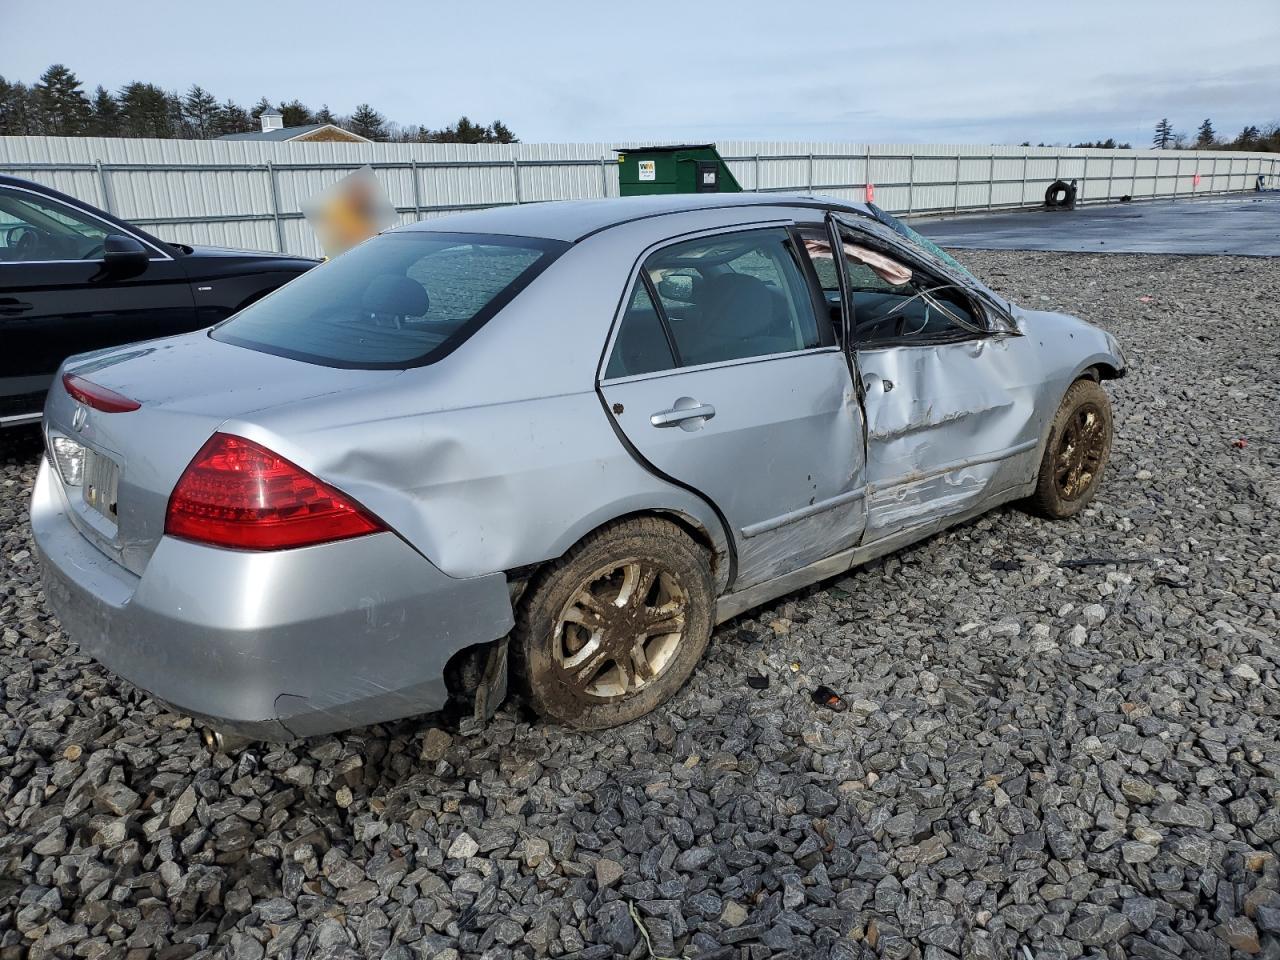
x=1076, y=454
x=615, y=627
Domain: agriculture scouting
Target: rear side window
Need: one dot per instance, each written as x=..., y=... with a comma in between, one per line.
x=727, y=297
x=642, y=345
x=398, y=300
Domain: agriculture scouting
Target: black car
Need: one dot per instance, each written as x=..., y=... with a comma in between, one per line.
x=73, y=279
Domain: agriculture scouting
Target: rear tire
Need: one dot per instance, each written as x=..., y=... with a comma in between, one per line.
x=615, y=627
x=1077, y=452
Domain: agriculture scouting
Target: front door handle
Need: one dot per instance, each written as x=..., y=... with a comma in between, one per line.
x=686, y=413
x=12, y=306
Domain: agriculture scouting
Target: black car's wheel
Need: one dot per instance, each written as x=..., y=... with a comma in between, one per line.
x=1076, y=454
x=615, y=627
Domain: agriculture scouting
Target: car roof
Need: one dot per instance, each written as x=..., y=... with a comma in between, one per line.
x=573, y=220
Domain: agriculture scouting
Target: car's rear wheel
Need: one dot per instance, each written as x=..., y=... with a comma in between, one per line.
x=615, y=627
x=1076, y=454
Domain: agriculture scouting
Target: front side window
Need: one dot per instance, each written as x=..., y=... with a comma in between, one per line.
x=36, y=228
x=727, y=297
x=919, y=240
x=398, y=300
x=894, y=300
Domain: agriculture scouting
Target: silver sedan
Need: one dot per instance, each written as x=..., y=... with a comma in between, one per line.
x=555, y=443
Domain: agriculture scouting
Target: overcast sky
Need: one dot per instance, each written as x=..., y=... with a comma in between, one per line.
x=896, y=71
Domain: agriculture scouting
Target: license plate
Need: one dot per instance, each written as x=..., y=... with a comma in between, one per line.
x=101, y=479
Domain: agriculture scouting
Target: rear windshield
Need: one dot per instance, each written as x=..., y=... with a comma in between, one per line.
x=398, y=300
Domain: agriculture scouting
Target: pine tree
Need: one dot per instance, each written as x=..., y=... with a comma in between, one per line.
x=233, y=118
x=173, y=109
x=324, y=115
x=106, y=114
x=1205, y=137
x=368, y=122
x=261, y=107
x=200, y=112
x=296, y=113
x=17, y=109
x=1163, y=138
x=64, y=109
x=146, y=111
x=502, y=133
x=469, y=132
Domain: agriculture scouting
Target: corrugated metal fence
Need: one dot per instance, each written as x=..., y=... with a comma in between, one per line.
x=247, y=194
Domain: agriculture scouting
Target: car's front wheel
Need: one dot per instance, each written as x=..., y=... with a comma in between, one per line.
x=1077, y=452
x=615, y=627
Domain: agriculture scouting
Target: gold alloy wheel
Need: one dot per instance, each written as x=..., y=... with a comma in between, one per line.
x=620, y=630
x=1079, y=454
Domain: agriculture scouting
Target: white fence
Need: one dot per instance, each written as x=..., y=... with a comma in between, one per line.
x=249, y=194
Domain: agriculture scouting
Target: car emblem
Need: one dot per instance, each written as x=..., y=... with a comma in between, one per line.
x=79, y=418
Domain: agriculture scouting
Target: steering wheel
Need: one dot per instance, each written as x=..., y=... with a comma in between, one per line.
x=27, y=246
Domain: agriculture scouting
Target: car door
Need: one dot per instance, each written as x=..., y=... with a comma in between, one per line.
x=725, y=376
x=58, y=297
x=948, y=386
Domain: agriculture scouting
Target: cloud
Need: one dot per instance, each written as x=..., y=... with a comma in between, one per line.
x=911, y=71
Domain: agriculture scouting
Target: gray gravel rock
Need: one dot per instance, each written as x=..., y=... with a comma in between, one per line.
x=1080, y=760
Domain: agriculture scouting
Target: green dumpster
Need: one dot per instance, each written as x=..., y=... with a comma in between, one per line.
x=688, y=168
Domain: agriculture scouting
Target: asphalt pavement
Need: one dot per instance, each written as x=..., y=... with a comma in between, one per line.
x=1245, y=225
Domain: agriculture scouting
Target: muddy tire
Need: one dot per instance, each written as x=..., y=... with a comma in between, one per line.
x=1076, y=455
x=615, y=627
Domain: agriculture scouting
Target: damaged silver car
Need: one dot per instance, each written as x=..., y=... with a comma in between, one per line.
x=557, y=442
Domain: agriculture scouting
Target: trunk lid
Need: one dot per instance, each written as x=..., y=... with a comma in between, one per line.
x=188, y=386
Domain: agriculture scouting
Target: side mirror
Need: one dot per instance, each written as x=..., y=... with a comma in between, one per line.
x=123, y=256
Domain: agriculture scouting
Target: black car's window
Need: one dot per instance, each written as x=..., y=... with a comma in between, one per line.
x=35, y=228
x=642, y=345
x=735, y=296
x=397, y=300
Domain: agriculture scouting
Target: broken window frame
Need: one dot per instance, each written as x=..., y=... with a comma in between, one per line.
x=999, y=311
x=924, y=274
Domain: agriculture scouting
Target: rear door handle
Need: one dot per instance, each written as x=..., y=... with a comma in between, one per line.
x=683, y=413
x=11, y=306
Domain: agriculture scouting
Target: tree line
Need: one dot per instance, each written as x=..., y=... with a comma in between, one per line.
x=1264, y=139
x=57, y=105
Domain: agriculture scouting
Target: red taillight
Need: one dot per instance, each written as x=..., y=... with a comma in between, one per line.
x=238, y=494
x=100, y=398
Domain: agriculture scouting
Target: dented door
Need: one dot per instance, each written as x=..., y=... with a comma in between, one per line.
x=948, y=427
x=732, y=385
x=775, y=444
x=951, y=424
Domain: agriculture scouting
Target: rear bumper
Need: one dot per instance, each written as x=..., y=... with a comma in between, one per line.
x=271, y=646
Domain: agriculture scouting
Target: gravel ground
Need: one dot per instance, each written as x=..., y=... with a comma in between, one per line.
x=1038, y=761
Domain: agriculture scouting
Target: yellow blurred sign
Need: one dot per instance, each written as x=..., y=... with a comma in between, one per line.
x=349, y=212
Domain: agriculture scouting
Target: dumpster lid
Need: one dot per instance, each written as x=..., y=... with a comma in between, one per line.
x=666, y=148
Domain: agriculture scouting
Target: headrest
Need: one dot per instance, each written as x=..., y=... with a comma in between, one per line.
x=741, y=300
x=396, y=295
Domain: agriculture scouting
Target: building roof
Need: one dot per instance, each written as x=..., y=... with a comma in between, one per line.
x=287, y=133
x=572, y=220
